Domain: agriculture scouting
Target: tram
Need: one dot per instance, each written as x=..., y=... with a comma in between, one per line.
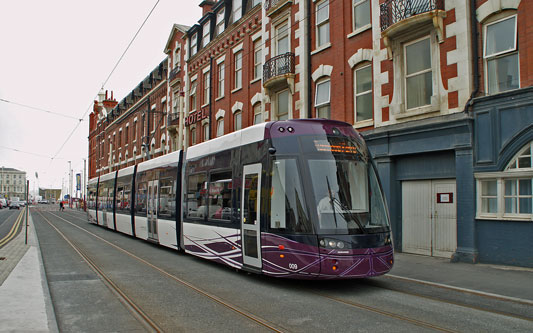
x=296, y=199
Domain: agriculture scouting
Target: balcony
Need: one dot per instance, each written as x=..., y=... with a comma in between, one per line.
x=174, y=73
x=173, y=120
x=273, y=6
x=278, y=69
x=394, y=11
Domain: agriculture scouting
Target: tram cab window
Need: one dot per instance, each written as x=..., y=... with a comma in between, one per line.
x=91, y=204
x=167, y=198
x=196, y=195
x=220, y=195
x=288, y=211
x=140, y=204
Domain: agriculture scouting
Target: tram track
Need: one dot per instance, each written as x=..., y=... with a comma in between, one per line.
x=136, y=310
x=351, y=303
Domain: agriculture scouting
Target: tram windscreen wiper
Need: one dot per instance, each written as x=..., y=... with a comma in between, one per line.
x=346, y=212
x=331, y=201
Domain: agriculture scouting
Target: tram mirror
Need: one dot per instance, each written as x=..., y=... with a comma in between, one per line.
x=272, y=150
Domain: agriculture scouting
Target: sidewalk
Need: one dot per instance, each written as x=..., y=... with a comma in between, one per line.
x=25, y=304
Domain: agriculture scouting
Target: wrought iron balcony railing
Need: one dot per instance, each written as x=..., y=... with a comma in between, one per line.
x=393, y=11
x=172, y=119
x=279, y=65
x=174, y=73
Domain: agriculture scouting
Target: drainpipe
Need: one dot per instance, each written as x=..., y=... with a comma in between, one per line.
x=309, y=67
x=210, y=96
x=475, y=54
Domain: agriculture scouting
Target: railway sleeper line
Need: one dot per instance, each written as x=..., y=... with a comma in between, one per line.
x=137, y=311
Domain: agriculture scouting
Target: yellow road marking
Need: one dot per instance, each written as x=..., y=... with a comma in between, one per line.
x=13, y=230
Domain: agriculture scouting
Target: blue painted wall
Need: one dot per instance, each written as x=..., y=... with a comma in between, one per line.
x=503, y=124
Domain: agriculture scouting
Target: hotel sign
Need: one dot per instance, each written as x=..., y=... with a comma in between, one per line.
x=197, y=116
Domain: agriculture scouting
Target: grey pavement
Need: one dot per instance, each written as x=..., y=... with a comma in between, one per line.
x=25, y=303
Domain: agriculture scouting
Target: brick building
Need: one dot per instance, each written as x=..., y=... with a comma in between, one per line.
x=439, y=89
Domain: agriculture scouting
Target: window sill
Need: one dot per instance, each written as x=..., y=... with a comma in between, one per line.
x=364, y=123
x=505, y=218
x=219, y=98
x=422, y=110
x=235, y=90
x=255, y=80
x=322, y=48
x=358, y=31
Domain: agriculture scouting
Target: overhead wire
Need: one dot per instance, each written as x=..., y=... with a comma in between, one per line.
x=39, y=109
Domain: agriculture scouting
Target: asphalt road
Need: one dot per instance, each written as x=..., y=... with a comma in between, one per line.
x=182, y=293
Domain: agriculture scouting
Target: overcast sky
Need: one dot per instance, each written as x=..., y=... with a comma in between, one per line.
x=55, y=55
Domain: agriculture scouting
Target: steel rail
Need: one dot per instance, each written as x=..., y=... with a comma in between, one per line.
x=137, y=312
x=248, y=315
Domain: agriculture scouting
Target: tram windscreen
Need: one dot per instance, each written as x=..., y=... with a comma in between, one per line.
x=346, y=189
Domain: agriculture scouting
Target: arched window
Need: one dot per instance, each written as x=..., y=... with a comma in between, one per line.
x=193, y=136
x=237, y=121
x=508, y=194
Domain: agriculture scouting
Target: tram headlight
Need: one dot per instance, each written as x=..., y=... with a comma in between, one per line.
x=340, y=245
x=322, y=243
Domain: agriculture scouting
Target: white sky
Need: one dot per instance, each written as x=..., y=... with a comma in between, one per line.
x=55, y=55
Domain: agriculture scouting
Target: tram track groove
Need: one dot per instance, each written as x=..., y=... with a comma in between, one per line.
x=238, y=310
x=136, y=311
x=371, y=308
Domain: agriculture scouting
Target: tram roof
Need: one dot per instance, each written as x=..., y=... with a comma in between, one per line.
x=245, y=136
x=166, y=159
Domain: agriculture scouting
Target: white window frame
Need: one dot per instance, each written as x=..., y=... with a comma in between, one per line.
x=193, y=136
x=207, y=86
x=258, y=58
x=325, y=103
x=193, y=95
x=237, y=10
x=256, y=2
x=501, y=54
x=257, y=113
x=206, y=131
x=221, y=72
x=177, y=57
x=220, y=22
x=406, y=76
x=355, y=4
x=511, y=173
x=289, y=102
x=220, y=127
x=320, y=24
x=238, y=69
x=282, y=33
x=205, y=33
x=356, y=94
x=194, y=41
x=236, y=115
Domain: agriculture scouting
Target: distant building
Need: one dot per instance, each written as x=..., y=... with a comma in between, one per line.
x=12, y=183
x=50, y=194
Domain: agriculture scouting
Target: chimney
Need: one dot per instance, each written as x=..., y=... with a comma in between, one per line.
x=206, y=6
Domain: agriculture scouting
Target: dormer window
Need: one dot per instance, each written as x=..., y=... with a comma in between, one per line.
x=237, y=10
x=220, y=22
x=205, y=37
x=194, y=42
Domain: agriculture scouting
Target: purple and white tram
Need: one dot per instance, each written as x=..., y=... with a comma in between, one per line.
x=296, y=199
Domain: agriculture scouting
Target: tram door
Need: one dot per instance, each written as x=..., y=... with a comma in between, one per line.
x=152, y=209
x=250, y=213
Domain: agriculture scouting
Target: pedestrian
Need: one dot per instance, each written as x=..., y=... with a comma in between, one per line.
x=61, y=207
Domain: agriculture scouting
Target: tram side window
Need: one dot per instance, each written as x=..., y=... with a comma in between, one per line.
x=288, y=211
x=167, y=198
x=110, y=197
x=123, y=198
x=196, y=196
x=220, y=195
x=91, y=204
x=140, y=204
x=102, y=198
